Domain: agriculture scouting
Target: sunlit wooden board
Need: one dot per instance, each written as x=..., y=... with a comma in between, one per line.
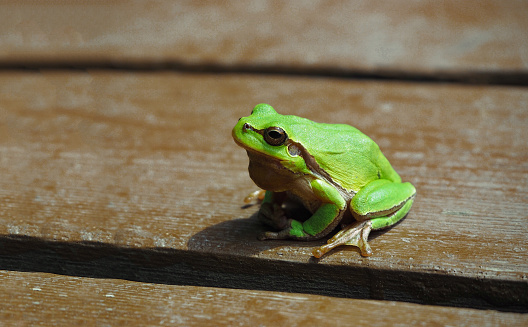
x=141, y=166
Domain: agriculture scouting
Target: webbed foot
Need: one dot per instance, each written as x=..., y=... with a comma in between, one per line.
x=293, y=230
x=355, y=234
x=280, y=235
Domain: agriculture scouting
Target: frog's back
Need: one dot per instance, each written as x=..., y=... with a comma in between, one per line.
x=350, y=157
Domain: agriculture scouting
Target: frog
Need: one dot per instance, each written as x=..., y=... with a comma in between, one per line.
x=334, y=171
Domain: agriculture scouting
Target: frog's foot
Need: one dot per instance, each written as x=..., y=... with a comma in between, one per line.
x=354, y=234
x=273, y=215
x=281, y=235
x=293, y=230
x=257, y=196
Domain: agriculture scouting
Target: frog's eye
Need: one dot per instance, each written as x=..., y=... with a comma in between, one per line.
x=275, y=136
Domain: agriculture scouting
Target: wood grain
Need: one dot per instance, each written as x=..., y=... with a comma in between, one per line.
x=67, y=301
x=473, y=40
x=135, y=176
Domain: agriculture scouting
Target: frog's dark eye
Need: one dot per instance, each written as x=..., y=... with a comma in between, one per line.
x=275, y=136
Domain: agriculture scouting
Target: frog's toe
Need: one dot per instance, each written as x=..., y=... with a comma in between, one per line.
x=353, y=234
x=256, y=196
x=283, y=234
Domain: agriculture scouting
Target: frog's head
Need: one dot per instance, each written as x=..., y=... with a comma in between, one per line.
x=270, y=136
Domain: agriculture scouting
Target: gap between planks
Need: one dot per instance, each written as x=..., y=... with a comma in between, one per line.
x=192, y=268
x=505, y=78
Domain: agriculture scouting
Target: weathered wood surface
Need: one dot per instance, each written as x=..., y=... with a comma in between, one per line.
x=135, y=176
x=121, y=192
x=470, y=40
x=75, y=301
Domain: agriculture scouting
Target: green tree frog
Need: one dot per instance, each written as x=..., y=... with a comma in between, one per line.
x=336, y=172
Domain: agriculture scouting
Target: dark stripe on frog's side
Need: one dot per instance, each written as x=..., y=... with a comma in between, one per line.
x=314, y=167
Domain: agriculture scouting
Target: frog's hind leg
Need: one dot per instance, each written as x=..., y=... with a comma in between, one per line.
x=356, y=234
x=384, y=222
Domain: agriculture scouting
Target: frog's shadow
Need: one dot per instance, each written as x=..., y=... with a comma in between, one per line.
x=239, y=236
x=236, y=236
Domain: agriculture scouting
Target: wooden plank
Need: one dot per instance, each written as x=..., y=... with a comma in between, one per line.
x=39, y=299
x=135, y=176
x=387, y=38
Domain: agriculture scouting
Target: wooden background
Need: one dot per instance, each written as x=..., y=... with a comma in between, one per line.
x=121, y=189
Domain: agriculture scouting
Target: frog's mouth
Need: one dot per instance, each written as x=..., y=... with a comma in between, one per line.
x=256, y=156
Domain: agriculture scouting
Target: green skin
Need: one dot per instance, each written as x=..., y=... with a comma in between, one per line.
x=330, y=169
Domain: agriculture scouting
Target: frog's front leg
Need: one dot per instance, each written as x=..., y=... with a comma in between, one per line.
x=271, y=212
x=379, y=204
x=323, y=221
